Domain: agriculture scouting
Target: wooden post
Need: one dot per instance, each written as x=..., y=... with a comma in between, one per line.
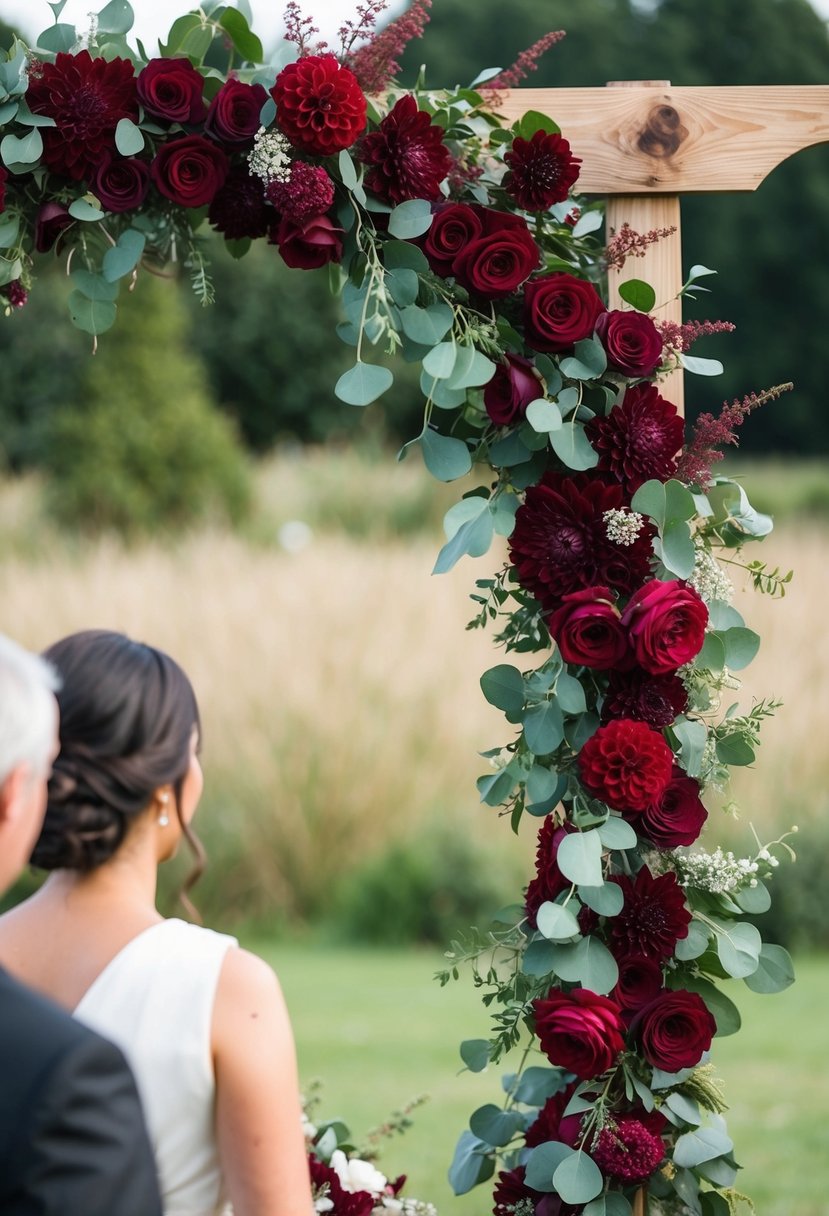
x=639, y=1203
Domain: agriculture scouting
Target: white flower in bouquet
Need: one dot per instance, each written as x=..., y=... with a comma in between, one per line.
x=357, y=1175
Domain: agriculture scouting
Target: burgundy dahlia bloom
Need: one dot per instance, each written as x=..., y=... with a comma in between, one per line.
x=657, y=700
x=320, y=106
x=628, y=1152
x=551, y=1123
x=541, y=171
x=308, y=191
x=87, y=98
x=627, y=765
x=654, y=916
x=406, y=157
x=239, y=208
x=639, y=439
x=560, y=542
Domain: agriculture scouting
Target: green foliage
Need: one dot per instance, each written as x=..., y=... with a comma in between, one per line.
x=141, y=447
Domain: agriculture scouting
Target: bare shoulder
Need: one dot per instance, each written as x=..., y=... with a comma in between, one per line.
x=248, y=994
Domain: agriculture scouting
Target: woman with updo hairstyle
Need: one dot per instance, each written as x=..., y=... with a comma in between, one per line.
x=202, y=1022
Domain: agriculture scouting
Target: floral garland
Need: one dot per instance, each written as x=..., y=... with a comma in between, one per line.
x=454, y=241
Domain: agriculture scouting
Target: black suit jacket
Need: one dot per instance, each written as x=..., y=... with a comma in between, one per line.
x=72, y=1135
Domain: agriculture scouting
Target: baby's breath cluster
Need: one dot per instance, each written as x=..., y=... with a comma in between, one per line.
x=709, y=579
x=623, y=526
x=719, y=872
x=270, y=157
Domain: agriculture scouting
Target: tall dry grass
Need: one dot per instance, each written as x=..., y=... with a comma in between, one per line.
x=340, y=699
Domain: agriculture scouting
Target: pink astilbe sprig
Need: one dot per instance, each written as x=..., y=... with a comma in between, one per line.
x=710, y=434
x=301, y=29
x=362, y=28
x=682, y=337
x=628, y=243
x=526, y=62
x=377, y=63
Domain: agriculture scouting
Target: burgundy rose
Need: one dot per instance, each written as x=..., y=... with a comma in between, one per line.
x=190, y=171
x=308, y=192
x=319, y=104
x=666, y=625
x=588, y=631
x=628, y=1151
x=654, y=916
x=560, y=541
x=639, y=439
x=551, y=1123
x=639, y=983
x=541, y=171
x=239, y=208
x=454, y=226
x=498, y=262
x=87, y=98
x=512, y=388
x=560, y=310
x=579, y=1031
x=346, y=1203
x=632, y=342
x=657, y=700
x=4, y=176
x=677, y=819
x=675, y=1030
x=626, y=764
x=234, y=112
x=172, y=89
x=122, y=183
x=406, y=156
x=51, y=220
x=309, y=245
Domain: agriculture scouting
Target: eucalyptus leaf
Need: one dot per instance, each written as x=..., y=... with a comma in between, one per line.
x=462, y=512
x=363, y=383
x=695, y=944
x=116, y=17
x=755, y=900
x=556, y=922
x=692, y=737
x=440, y=361
x=579, y=858
x=543, y=415
x=539, y=958
x=427, y=325
x=246, y=43
x=403, y=255
x=616, y=833
x=736, y=750
x=611, y=1204
x=60, y=37
x=700, y=1145
x=410, y=219
x=94, y=286
x=570, y=694
x=536, y=1084
x=578, y=1179
x=473, y=538
x=475, y=1054
x=445, y=458
x=92, y=316
x=606, y=900
x=701, y=367
x=638, y=294
x=125, y=255
x=471, y=1164
x=542, y=1163
x=503, y=687
x=588, y=361
x=542, y=783
x=738, y=948
x=129, y=139
x=573, y=448
x=495, y=1126
x=775, y=971
x=495, y=787
x=22, y=149
x=544, y=727
x=741, y=645
x=9, y=230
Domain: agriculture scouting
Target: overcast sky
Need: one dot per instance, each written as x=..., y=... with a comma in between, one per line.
x=152, y=17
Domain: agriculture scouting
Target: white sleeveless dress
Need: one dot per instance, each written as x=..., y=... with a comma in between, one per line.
x=155, y=1000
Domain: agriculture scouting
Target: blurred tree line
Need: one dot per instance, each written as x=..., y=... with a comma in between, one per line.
x=267, y=354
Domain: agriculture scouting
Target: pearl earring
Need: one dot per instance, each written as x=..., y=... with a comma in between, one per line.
x=164, y=818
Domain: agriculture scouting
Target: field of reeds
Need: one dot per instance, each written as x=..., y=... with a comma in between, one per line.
x=339, y=688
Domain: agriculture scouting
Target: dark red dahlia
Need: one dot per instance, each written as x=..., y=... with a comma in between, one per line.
x=560, y=541
x=406, y=156
x=308, y=191
x=639, y=439
x=654, y=916
x=239, y=208
x=628, y=1152
x=319, y=105
x=87, y=98
x=551, y=1123
x=541, y=171
x=627, y=765
x=657, y=700
x=346, y=1203
x=511, y=1189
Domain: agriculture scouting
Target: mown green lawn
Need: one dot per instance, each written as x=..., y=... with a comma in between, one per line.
x=378, y=1031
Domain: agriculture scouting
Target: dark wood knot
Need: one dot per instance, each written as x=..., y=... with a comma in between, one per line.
x=663, y=133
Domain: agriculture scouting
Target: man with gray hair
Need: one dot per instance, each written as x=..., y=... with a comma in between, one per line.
x=72, y=1135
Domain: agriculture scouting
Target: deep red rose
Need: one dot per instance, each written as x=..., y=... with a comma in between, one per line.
x=87, y=98
x=512, y=388
x=579, y=1031
x=666, y=625
x=657, y=700
x=626, y=764
x=654, y=916
x=632, y=342
x=307, y=246
x=309, y=191
x=4, y=175
x=122, y=183
x=628, y=1151
x=454, y=226
x=406, y=156
x=234, y=112
x=639, y=983
x=320, y=106
x=239, y=208
x=551, y=1123
x=639, y=439
x=678, y=818
x=172, y=89
x=560, y=310
x=560, y=543
x=190, y=171
x=675, y=1030
x=346, y=1203
x=497, y=263
x=511, y=1189
x=588, y=631
x=541, y=171
x=51, y=220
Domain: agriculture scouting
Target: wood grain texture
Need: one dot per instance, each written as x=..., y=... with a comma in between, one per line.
x=640, y=1203
x=656, y=139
